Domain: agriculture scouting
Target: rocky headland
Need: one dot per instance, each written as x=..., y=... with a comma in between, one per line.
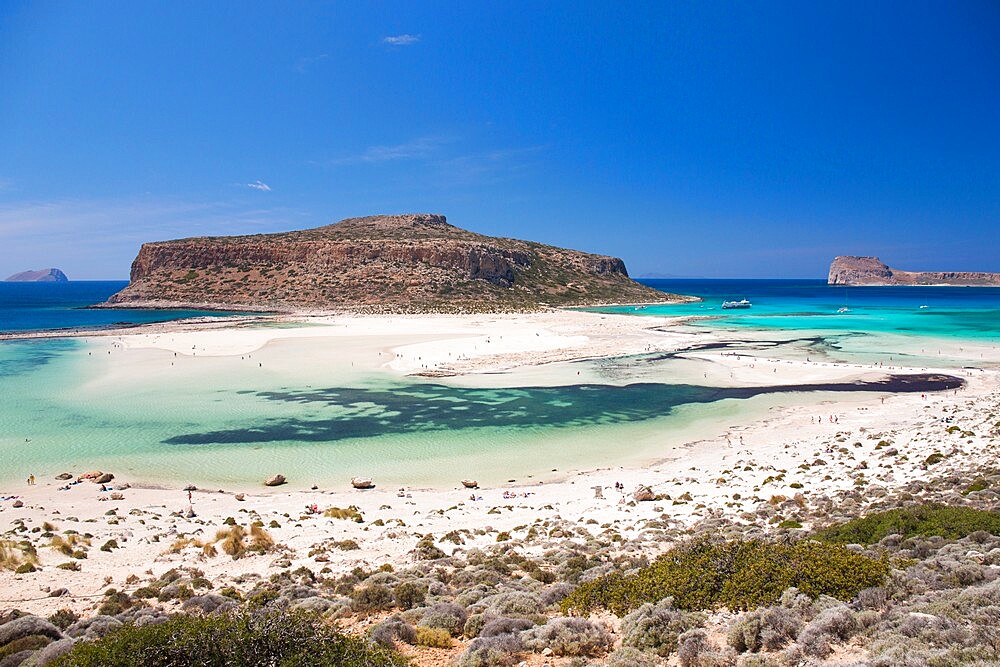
x=853, y=270
x=415, y=263
x=40, y=276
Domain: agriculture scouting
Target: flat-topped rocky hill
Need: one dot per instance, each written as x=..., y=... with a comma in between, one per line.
x=852, y=270
x=415, y=262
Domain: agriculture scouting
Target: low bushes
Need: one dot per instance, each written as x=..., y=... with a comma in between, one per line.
x=951, y=523
x=656, y=627
x=738, y=575
x=241, y=639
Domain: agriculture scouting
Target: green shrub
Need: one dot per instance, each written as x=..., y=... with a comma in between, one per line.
x=64, y=618
x=374, y=597
x=433, y=637
x=351, y=513
x=568, y=636
x=245, y=638
x=737, y=574
x=951, y=523
x=409, y=595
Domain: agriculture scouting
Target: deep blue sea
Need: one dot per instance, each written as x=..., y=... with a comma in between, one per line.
x=47, y=306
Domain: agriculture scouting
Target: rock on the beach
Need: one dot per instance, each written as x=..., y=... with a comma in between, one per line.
x=93, y=474
x=362, y=483
x=643, y=493
x=104, y=478
x=18, y=503
x=64, y=476
x=49, y=654
x=274, y=480
x=26, y=626
x=93, y=628
x=208, y=603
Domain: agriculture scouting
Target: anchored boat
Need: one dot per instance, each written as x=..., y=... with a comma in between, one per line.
x=742, y=303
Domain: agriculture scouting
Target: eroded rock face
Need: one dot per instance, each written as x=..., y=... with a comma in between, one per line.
x=415, y=261
x=852, y=270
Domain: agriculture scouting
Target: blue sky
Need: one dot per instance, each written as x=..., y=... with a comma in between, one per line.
x=692, y=139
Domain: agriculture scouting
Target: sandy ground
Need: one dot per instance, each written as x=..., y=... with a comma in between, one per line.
x=807, y=448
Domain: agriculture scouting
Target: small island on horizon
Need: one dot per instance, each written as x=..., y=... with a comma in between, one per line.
x=855, y=270
x=40, y=276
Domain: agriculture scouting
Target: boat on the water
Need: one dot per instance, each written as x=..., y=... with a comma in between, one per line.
x=845, y=309
x=742, y=303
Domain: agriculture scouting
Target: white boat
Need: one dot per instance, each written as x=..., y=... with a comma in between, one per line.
x=742, y=303
x=845, y=309
x=923, y=306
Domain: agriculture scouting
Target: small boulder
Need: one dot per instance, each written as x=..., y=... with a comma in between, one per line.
x=18, y=503
x=94, y=627
x=103, y=478
x=64, y=476
x=274, y=480
x=362, y=483
x=49, y=654
x=643, y=493
x=240, y=497
x=26, y=626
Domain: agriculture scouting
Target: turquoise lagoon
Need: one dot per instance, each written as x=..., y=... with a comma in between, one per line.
x=303, y=409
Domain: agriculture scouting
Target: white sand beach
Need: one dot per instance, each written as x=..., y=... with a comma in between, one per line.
x=802, y=446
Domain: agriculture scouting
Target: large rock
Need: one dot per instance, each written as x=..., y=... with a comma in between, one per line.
x=855, y=270
x=415, y=262
x=49, y=654
x=275, y=480
x=26, y=626
x=104, y=478
x=93, y=627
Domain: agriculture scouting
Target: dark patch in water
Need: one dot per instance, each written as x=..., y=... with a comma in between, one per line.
x=360, y=412
x=31, y=354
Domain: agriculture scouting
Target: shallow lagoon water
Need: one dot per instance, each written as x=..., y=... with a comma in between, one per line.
x=304, y=410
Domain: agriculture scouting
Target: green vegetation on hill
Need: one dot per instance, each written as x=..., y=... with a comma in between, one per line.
x=951, y=523
x=245, y=639
x=737, y=575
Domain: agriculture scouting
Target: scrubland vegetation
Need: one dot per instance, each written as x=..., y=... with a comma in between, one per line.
x=911, y=579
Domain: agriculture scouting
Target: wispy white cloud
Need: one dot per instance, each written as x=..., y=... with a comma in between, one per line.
x=401, y=40
x=420, y=148
x=258, y=185
x=305, y=63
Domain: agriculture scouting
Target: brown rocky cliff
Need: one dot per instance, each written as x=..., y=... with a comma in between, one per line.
x=853, y=270
x=411, y=262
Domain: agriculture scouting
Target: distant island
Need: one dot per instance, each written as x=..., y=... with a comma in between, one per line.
x=40, y=276
x=408, y=263
x=853, y=270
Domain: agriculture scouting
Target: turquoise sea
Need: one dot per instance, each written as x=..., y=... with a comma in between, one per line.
x=967, y=313
x=307, y=411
